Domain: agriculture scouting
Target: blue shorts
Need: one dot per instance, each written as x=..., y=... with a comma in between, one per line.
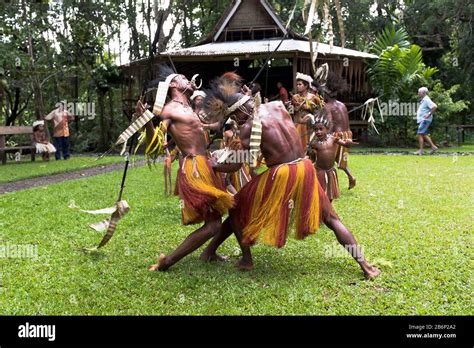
x=423, y=127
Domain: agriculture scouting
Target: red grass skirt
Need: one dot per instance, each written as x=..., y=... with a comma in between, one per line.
x=283, y=196
x=329, y=182
x=202, y=192
x=342, y=152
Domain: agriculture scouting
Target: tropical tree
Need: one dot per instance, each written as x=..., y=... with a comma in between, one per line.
x=400, y=64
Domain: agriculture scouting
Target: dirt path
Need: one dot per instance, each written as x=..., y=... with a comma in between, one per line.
x=55, y=178
x=85, y=173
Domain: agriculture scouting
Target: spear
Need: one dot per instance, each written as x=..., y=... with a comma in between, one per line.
x=121, y=206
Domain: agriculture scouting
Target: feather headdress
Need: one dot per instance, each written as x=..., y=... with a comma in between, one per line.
x=321, y=117
x=322, y=74
x=224, y=96
x=304, y=77
x=335, y=85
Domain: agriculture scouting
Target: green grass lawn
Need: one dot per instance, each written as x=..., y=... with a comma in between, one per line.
x=466, y=148
x=13, y=171
x=412, y=215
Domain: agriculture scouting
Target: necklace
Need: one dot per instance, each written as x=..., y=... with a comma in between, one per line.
x=180, y=102
x=325, y=140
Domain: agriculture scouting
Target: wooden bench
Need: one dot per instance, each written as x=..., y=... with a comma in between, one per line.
x=16, y=130
x=460, y=132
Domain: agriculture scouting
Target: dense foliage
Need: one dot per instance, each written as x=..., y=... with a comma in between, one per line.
x=72, y=50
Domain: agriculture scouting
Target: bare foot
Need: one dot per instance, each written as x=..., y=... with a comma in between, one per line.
x=244, y=265
x=213, y=257
x=160, y=265
x=371, y=273
x=352, y=182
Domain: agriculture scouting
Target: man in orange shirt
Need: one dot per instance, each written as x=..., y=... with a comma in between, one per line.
x=60, y=118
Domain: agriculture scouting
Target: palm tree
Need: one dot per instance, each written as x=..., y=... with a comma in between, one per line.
x=400, y=64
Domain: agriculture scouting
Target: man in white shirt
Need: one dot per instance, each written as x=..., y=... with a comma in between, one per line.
x=424, y=117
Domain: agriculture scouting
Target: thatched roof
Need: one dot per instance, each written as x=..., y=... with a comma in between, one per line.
x=233, y=48
x=248, y=15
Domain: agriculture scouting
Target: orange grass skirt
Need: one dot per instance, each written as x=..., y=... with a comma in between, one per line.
x=283, y=196
x=202, y=192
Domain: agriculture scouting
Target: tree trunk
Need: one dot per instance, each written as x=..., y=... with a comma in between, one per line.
x=161, y=15
x=2, y=96
x=112, y=124
x=39, y=105
x=132, y=20
x=103, y=132
x=147, y=16
x=340, y=21
x=11, y=119
x=186, y=29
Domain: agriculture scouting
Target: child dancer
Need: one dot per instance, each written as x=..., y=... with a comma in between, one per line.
x=325, y=146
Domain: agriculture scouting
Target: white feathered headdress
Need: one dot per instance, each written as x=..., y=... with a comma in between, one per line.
x=304, y=77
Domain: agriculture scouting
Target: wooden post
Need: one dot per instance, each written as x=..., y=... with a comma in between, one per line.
x=3, y=154
x=295, y=69
x=33, y=151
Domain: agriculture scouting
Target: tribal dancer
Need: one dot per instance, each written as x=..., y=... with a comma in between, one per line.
x=339, y=118
x=289, y=186
x=325, y=146
x=238, y=179
x=197, y=100
x=202, y=193
x=171, y=156
x=304, y=103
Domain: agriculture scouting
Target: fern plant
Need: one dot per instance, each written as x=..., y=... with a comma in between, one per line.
x=400, y=65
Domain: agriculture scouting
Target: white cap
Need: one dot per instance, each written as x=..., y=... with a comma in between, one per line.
x=304, y=77
x=38, y=123
x=198, y=94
